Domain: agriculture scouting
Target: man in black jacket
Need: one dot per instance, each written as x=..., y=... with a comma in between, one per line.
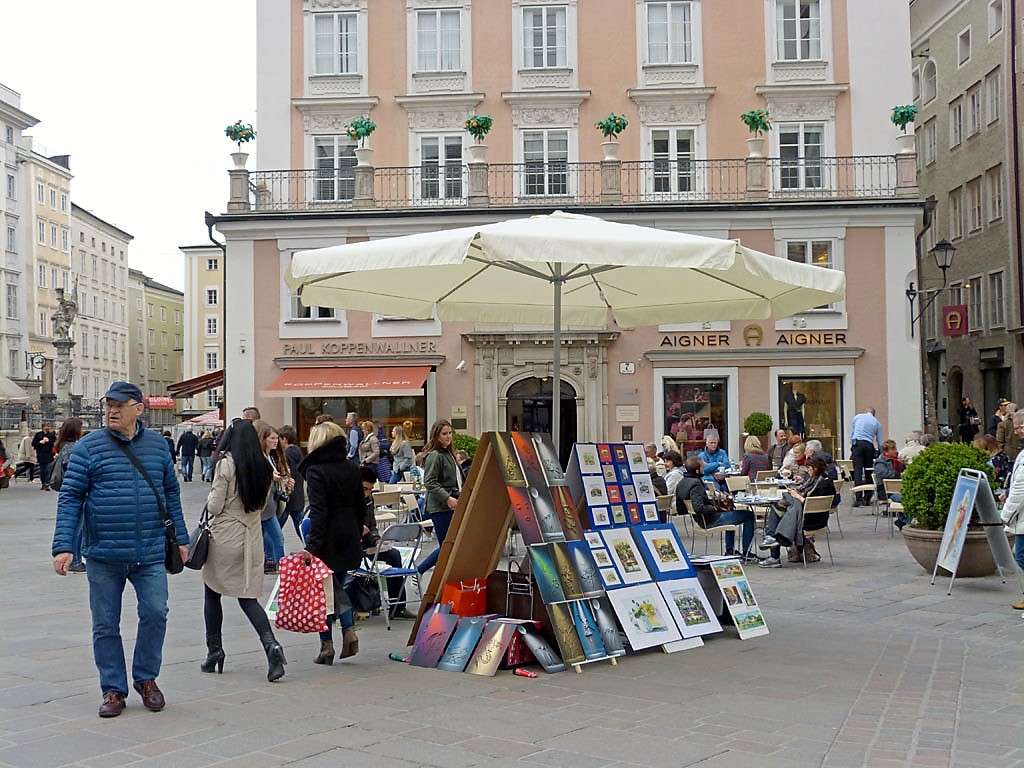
x=705, y=514
x=43, y=443
x=187, y=445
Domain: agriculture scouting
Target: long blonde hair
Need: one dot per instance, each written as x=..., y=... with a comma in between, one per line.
x=323, y=433
x=398, y=438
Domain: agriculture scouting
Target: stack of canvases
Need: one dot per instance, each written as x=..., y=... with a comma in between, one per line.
x=652, y=585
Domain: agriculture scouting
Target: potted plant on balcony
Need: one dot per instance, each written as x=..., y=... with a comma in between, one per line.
x=359, y=129
x=610, y=128
x=758, y=123
x=240, y=133
x=926, y=493
x=478, y=126
x=902, y=116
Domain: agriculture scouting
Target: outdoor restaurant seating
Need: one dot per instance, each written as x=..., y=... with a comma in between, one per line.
x=816, y=513
x=402, y=535
x=709, y=533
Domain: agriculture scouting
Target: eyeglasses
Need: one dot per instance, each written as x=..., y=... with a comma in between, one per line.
x=114, y=405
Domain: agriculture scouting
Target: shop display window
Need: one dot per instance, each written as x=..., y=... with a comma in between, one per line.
x=813, y=408
x=692, y=406
x=385, y=412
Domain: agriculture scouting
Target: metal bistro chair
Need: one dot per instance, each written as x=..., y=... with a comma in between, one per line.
x=707, y=533
x=393, y=502
x=846, y=468
x=839, y=484
x=399, y=534
x=665, y=507
x=889, y=487
x=765, y=476
x=816, y=514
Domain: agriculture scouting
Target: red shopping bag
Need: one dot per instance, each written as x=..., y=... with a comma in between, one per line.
x=301, y=602
x=467, y=598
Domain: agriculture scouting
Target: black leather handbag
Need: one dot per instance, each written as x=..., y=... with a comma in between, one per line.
x=199, y=543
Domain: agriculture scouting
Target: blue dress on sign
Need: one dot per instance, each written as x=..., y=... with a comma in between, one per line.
x=714, y=462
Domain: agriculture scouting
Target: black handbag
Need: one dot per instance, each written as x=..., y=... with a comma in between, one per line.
x=199, y=546
x=172, y=554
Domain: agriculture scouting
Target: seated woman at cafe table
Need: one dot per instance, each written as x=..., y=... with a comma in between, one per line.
x=706, y=513
x=754, y=458
x=795, y=460
x=714, y=458
x=673, y=470
x=785, y=528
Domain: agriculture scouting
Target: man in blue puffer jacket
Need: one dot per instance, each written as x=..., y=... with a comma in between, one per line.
x=123, y=539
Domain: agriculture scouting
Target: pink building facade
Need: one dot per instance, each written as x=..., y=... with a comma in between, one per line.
x=831, y=189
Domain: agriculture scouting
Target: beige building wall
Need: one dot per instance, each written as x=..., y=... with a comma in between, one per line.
x=164, y=321
x=203, y=319
x=99, y=269
x=137, y=357
x=46, y=239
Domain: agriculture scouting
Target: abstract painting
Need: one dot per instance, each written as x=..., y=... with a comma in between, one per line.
x=566, y=509
x=545, y=572
x=529, y=460
x=432, y=638
x=644, y=617
x=606, y=623
x=549, y=459
x=564, y=630
x=587, y=629
x=586, y=567
x=567, y=575
x=508, y=460
x=541, y=651
x=626, y=556
x=689, y=607
x=463, y=643
x=547, y=518
x=526, y=517
x=491, y=649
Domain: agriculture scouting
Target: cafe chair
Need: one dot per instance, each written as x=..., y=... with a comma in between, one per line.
x=888, y=488
x=816, y=513
x=401, y=535
x=708, y=533
x=765, y=475
x=665, y=508
x=845, y=468
x=839, y=484
x=737, y=483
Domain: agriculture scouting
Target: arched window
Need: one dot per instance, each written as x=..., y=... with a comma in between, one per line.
x=928, y=81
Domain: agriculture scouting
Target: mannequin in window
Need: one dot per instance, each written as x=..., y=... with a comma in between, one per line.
x=794, y=402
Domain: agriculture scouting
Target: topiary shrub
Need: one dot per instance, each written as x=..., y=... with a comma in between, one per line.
x=929, y=480
x=757, y=424
x=465, y=443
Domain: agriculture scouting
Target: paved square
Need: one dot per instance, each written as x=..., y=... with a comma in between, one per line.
x=866, y=665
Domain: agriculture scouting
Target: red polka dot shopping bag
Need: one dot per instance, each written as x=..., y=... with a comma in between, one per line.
x=301, y=598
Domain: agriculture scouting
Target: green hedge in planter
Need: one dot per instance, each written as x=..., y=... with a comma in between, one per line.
x=929, y=480
x=757, y=424
x=465, y=443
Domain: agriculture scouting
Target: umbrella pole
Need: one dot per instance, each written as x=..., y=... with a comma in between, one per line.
x=556, y=343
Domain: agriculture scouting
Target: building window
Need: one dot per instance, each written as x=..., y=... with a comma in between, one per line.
x=212, y=265
x=670, y=33
x=54, y=277
x=164, y=361
x=993, y=92
x=302, y=312
x=956, y=214
x=177, y=317
x=63, y=201
x=800, y=150
x=994, y=183
x=963, y=47
x=53, y=198
x=211, y=298
x=995, y=17
x=335, y=167
x=441, y=167
x=928, y=82
x=11, y=186
x=65, y=240
x=956, y=122
x=40, y=192
x=9, y=134
x=211, y=326
x=211, y=361
x=798, y=29
x=975, y=307
x=106, y=308
x=212, y=399
x=974, y=110
x=915, y=84
x=336, y=43
x=53, y=235
x=974, y=205
x=41, y=232
x=151, y=334
x=95, y=307
x=438, y=41
x=996, y=302
x=12, y=357
x=815, y=252
x=12, y=301
x=152, y=361
x=690, y=407
x=544, y=37
x=65, y=279
x=672, y=154
x=546, y=158
x=42, y=276
x=12, y=239
x=930, y=141
x=43, y=325
x=163, y=312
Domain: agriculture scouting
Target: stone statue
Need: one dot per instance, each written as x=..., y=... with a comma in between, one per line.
x=63, y=317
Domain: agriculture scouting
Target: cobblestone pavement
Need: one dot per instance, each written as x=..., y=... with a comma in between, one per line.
x=866, y=665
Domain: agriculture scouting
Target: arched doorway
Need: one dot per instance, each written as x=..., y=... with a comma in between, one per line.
x=528, y=409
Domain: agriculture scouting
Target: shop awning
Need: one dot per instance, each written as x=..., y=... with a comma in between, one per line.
x=11, y=392
x=349, y=382
x=159, y=403
x=198, y=384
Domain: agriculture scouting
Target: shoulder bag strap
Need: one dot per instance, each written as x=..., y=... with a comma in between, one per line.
x=168, y=522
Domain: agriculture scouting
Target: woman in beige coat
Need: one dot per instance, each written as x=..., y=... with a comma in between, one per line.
x=234, y=565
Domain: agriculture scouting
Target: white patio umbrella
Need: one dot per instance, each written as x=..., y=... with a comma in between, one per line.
x=580, y=268
x=11, y=392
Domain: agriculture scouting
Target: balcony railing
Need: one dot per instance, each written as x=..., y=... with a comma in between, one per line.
x=558, y=183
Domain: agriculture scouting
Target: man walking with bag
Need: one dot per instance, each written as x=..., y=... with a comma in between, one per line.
x=120, y=484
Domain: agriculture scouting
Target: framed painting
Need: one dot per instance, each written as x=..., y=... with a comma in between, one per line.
x=689, y=607
x=614, y=494
x=599, y=517
x=618, y=515
x=626, y=555
x=636, y=458
x=608, y=470
x=594, y=490
x=644, y=616
x=602, y=558
x=644, y=488
x=629, y=493
x=623, y=473
x=545, y=573
x=611, y=578
x=593, y=538
x=587, y=455
x=650, y=513
x=663, y=551
x=634, y=514
x=619, y=454
x=604, y=453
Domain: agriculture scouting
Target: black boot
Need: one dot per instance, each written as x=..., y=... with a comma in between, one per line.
x=214, y=655
x=275, y=656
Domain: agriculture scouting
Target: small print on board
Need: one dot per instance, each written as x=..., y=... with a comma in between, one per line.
x=739, y=598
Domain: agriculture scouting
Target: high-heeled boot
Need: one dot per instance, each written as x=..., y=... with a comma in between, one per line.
x=326, y=655
x=349, y=643
x=214, y=655
x=275, y=656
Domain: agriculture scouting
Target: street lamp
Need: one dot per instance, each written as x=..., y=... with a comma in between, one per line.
x=942, y=252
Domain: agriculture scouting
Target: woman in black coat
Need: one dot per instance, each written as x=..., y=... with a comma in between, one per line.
x=337, y=522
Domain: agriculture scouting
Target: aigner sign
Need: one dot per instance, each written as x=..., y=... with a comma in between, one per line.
x=787, y=339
